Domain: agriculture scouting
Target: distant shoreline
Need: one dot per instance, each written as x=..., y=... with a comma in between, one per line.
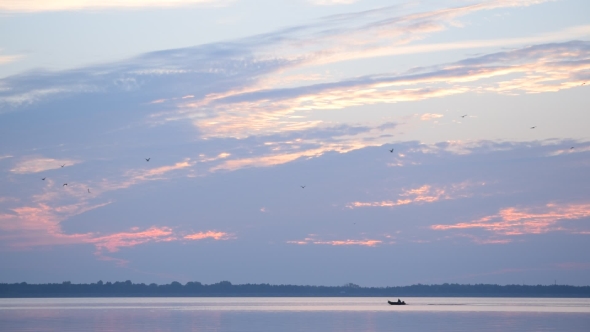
x=227, y=289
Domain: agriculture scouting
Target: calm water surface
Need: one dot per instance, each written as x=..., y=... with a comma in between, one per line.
x=294, y=314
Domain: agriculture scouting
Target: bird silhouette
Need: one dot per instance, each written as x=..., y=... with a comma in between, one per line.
x=89, y=190
x=572, y=148
x=65, y=184
x=63, y=165
x=148, y=159
x=303, y=187
x=463, y=115
x=43, y=179
x=533, y=127
x=391, y=150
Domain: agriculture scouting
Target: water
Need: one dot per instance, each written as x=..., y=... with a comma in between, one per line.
x=294, y=314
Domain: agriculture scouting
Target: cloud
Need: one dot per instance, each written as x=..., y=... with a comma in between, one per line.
x=15, y=98
x=234, y=90
x=331, y=2
x=208, y=235
x=4, y=59
x=135, y=176
x=421, y=195
x=520, y=221
x=281, y=148
x=480, y=240
x=569, y=150
x=33, y=226
x=376, y=33
x=42, y=219
x=247, y=61
x=430, y=116
x=70, y=5
x=283, y=158
x=36, y=165
x=347, y=242
x=113, y=242
x=534, y=69
x=158, y=171
x=40, y=224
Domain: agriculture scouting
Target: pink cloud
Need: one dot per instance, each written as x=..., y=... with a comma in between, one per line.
x=347, y=242
x=420, y=195
x=515, y=221
x=113, y=242
x=40, y=225
x=368, y=243
x=286, y=157
x=208, y=235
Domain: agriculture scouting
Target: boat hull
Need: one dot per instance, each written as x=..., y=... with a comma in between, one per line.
x=396, y=303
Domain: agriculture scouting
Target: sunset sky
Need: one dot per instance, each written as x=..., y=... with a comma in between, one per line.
x=269, y=128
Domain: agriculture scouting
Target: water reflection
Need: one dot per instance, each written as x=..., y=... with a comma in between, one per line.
x=294, y=314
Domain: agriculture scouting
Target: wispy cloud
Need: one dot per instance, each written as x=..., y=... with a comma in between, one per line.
x=484, y=240
x=535, y=69
x=40, y=225
x=331, y=2
x=155, y=173
x=430, y=116
x=4, y=59
x=424, y=194
x=285, y=157
x=208, y=235
x=69, y=5
x=135, y=176
x=40, y=164
x=520, y=221
x=347, y=242
x=251, y=59
x=113, y=242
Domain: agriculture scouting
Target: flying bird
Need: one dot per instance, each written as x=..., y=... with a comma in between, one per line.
x=303, y=187
x=391, y=150
x=43, y=179
x=572, y=148
x=463, y=115
x=533, y=127
x=148, y=159
x=89, y=190
x=65, y=184
x=63, y=165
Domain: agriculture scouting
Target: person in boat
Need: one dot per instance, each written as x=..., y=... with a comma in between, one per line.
x=398, y=301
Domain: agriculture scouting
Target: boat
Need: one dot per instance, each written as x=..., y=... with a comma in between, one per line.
x=397, y=303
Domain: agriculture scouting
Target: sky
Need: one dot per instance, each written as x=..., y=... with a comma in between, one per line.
x=319, y=142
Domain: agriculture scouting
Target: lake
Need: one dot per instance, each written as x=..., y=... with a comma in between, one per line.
x=294, y=314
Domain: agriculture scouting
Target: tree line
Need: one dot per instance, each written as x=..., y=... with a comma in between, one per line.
x=226, y=288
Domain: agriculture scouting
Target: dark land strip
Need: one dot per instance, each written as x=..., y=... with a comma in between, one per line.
x=227, y=289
